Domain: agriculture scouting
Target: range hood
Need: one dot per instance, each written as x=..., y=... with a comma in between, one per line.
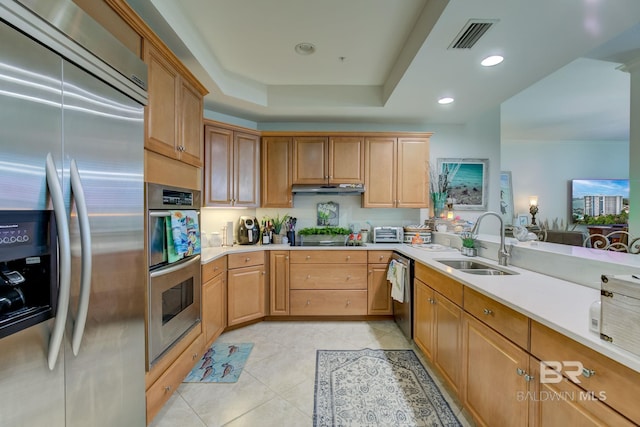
x=340, y=189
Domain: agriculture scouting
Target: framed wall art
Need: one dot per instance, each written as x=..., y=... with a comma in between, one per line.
x=467, y=182
x=506, y=198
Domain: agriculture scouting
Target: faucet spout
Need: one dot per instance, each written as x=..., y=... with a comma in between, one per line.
x=503, y=253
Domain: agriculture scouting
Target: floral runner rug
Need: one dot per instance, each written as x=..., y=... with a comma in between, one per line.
x=221, y=363
x=377, y=388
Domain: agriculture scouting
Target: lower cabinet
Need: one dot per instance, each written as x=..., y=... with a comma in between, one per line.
x=279, y=283
x=437, y=331
x=246, y=287
x=162, y=389
x=378, y=287
x=214, y=299
x=491, y=382
x=563, y=403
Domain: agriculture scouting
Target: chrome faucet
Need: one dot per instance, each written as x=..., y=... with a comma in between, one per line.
x=503, y=253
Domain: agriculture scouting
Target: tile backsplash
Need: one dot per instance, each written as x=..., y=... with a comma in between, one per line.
x=351, y=214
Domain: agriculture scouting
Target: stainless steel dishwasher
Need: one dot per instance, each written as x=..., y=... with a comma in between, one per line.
x=403, y=311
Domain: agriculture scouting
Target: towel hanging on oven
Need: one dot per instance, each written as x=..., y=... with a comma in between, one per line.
x=185, y=232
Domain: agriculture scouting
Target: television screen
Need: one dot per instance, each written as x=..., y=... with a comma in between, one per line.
x=605, y=198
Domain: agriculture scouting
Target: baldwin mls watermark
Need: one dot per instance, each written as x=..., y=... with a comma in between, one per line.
x=551, y=372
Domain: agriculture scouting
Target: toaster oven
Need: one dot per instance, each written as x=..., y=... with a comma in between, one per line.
x=387, y=234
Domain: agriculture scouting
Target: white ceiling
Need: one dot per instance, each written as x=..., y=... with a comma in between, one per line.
x=387, y=61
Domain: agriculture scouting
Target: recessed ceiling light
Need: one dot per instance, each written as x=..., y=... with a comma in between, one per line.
x=490, y=61
x=445, y=100
x=305, y=48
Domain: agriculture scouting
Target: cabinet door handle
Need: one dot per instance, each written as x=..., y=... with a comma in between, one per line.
x=348, y=276
x=308, y=302
x=167, y=388
x=194, y=356
x=348, y=257
x=215, y=268
x=286, y=257
x=348, y=302
x=264, y=273
x=528, y=378
x=308, y=256
x=520, y=372
x=370, y=271
x=381, y=257
x=431, y=300
x=487, y=311
x=308, y=276
x=247, y=259
x=587, y=373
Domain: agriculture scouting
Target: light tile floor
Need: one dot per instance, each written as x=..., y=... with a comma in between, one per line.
x=276, y=387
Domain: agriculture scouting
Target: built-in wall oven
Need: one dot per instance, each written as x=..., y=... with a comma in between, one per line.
x=174, y=286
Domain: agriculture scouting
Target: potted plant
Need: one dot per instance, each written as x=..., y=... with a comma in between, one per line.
x=468, y=244
x=276, y=224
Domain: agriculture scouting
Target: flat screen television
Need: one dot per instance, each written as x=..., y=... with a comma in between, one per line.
x=599, y=197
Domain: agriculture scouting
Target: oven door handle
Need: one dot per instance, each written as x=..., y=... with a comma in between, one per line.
x=64, y=269
x=174, y=268
x=85, y=239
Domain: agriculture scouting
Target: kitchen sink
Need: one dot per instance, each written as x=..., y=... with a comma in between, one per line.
x=475, y=267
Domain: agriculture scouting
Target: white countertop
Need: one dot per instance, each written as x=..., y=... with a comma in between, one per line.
x=561, y=305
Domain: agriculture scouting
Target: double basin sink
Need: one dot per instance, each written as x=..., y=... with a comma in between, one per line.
x=475, y=267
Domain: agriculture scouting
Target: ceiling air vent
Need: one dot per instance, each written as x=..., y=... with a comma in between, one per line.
x=471, y=33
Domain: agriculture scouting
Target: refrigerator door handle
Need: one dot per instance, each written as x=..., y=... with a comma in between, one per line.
x=85, y=238
x=64, y=270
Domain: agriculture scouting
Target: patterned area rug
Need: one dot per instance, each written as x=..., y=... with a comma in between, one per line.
x=377, y=388
x=221, y=363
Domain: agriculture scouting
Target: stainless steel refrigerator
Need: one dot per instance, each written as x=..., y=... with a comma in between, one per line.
x=71, y=142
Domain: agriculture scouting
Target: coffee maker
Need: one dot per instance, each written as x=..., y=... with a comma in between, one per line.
x=248, y=231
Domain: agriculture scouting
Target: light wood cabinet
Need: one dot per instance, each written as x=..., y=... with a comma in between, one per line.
x=566, y=404
x=437, y=330
x=232, y=166
x=173, y=115
x=277, y=179
x=328, y=160
x=328, y=283
x=510, y=323
x=396, y=174
x=378, y=287
x=279, y=283
x=214, y=299
x=600, y=374
x=379, y=291
x=162, y=389
x=246, y=288
x=491, y=383
x=424, y=317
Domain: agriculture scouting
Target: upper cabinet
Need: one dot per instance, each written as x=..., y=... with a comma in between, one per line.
x=276, y=172
x=173, y=116
x=396, y=172
x=328, y=160
x=232, y=166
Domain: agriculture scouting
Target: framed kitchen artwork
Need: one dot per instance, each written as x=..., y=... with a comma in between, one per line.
x=467, y=182
x=506, y=198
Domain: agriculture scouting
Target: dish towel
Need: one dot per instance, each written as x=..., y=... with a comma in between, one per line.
x=185, y=233
x=395, y=275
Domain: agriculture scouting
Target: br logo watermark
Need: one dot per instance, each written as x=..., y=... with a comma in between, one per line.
x=551, y=372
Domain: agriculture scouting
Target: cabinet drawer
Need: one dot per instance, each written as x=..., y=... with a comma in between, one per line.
x=379, y=257
x=620, y=384
x=328, y=257
x=503, y=319
x=328, y=276
x=213, y=268
x=169, y=381
x=245, y=259
x=328, y=303
x=447, y=286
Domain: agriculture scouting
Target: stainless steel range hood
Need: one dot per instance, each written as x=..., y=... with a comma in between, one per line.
x=339, y=189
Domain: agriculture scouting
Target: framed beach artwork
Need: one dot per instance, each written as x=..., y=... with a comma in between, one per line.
x=467, y=182
x=506, y=198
